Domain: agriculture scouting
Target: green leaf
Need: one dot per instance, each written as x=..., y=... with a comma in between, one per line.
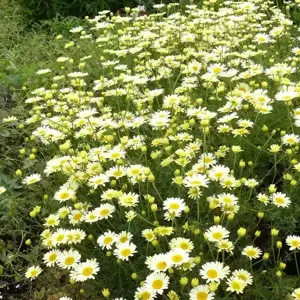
x=2, y=255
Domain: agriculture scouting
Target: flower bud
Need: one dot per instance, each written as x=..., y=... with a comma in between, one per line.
x=260, y=214
x=197, y=260
x=217, y=220
x=183, y=281
x=241, y=232
x=19, y=172
x=242, y=164
x=293, y=182
x=282, y=266
x=257, y=233
x=230, y=217
x=195, y=282
x=154, y=207
x=106, y=293
x=272, y=188
x=279, y=274
x=274, y=232
x=213, y=286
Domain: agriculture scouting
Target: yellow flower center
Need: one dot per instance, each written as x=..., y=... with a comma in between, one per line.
x=279, y=200
x=69, y=261
x=184, y=245
x=217, y=235
x=118, y=173
x=77, y=216
x=87, y=271
x=295, y=243
x=64, y=195
x=60, y=237
x=242, y=276
x=195, y=182
x=157, y=284
x=161, y=265
x=52, y=257
x=104, y=212
x=126, y=252
x=115, y=155
x=177, y=258
x=217, y=70
x=219, y=174
x=174, y=206
x=236, y=286
x=34, y=273
x=149, y=236
x=212, y=274
x=123, y=239
x=107, y=240
x=251, y=252
x=201, y=296
x=145, y=296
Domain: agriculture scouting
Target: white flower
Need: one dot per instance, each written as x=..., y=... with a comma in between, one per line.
x=33, y=272
x=31, y=179
x=214, y=271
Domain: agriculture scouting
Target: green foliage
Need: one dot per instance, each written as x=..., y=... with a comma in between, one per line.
x=48, y=9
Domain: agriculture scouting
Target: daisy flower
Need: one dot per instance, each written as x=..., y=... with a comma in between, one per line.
x=218, y=172
x=197, y=180
x=125, y=250
x=296, y=294
x=280, y=200
x=106, y=240
x=98, y=180
x=50, y=258
x=104, y=211
x=2, y=190
x=181, y=243
x=235, y=285
x=85, y=270
x=225, y=245
x=158, y=263
x=293, y=241
x=262, y=38
x=31, y=179
x=290, y=139
x=214, y=271
x=157, y=282
x=243, y=275
x=216, y=233
x=129, y=200
x=252, y=252
x=68, y=259
x=33, y=272
x=201, y=292
x=177, y=257
x=149, y=235
x=145, y=293
x=59, y=237
x=64, y=195
x=174, y=205
x=124, y=237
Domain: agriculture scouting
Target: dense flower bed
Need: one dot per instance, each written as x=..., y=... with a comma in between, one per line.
x=170, y=151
